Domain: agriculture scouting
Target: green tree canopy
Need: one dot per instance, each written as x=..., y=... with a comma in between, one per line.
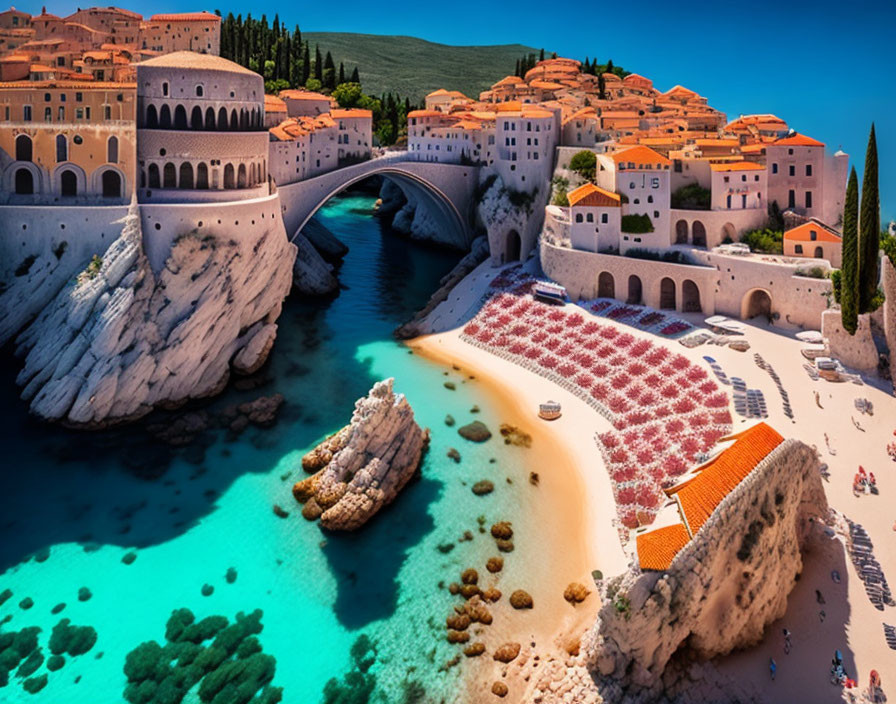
x=584, y=163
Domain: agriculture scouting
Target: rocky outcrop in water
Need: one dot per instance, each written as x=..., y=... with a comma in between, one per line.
x=120, y=339
x=724, y=587
x=371, y=460
x=312, y=276
x=324, y=241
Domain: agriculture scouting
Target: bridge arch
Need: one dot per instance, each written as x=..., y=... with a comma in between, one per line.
x=309, y=197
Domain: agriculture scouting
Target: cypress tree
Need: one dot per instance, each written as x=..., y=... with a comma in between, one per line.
x=341, y=74
x=329, y=79
x=610, y=67
x=849, y=280
x=541, y=55
x=516, y=71
x=869, y=227
x=306, y=64
x=355, y=77
x=318, y=64
x=601, y=86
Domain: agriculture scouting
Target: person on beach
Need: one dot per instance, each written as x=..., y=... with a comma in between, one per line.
x=788, y=646
x=772, y=667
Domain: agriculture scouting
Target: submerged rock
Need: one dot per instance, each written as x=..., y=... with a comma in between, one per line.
x=84, y=594
x=495, y=564
x=453, y=454
x=514, y=436
x=230, y=576
x=129, y=557
x=280, y=512
x=469, y=576
x=502, y=530
x=477, y=431
x=483, y=487
x=380, y=451
x=474, y=650
x=499, y=689
x=449, y=420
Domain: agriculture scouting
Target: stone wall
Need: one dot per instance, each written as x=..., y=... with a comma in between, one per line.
x=855, y=351
x=889, y=313
x=580, y=273
x=725, y=586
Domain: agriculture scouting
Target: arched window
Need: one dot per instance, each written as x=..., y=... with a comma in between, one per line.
x=165, y=118
x=210, y=119
x=228, y=176
x=111, y=184
x=112, y=150
x=169, y=176
x=186, y=175
x=234, y=120
x=222, y=119
x=196, y=118
x=61, y=148
x=24, y=182
x=152, y=117
x=23, y=148
x=199, y=91
x=154, y=176
x=241, y=176
x=180, y=118
x=165, y=88
x=68, y=182
x=202, y=176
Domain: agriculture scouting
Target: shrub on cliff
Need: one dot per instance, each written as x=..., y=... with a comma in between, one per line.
x=764, y=240
x=636, y=224
x=692, y=197
x=584, y=163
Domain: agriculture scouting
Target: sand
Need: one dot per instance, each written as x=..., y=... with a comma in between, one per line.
x=577, y=504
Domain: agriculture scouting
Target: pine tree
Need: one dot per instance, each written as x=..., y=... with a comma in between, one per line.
x=355, y=77
x=869, y=228
x=849, y=280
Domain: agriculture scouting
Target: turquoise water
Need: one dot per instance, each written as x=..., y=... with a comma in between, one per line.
x=71, y=507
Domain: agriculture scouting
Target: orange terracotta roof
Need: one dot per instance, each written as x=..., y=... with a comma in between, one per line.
x=798, y=140
x=716, y=142
x=699, y=496
x=299, y=94
x=41, y=68
x=274, y=104
x=185, y=17
x=509, y=106
x=546, y=85
x=679, y=90
x=425, y=113
x=640, y=156
x=737, y=166
x=82, y=82
x=341, y=113
x=593, y=196
x=508, y=81
x=611, y=77
x=657, y=548
x=753, y=148
x=535, y=111
x=192, y=59
x=803, y=233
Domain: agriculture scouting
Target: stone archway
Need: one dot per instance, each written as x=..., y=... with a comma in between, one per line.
x=690, y=297
x=667, y=294
x=635, y=290
x=729, y=233
x=24, y=182
x=68, y=184
x=681, y=232
x=698, y=234
x=756, y=302
x=111, y=180
x=606, y=285
x=513, y=246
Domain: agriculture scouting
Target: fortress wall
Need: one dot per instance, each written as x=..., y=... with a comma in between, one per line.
x=856, y=351
x=36, y=231
x=578, y=271
x=726, y=585
x=239, y=220
x=889, y=312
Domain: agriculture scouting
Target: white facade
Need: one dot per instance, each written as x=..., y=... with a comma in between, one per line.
x=738, y=187
x=355, y=134
x=525, y=144
x=802, y=178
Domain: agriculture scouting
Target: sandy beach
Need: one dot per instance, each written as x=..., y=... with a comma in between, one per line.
x=578, y=511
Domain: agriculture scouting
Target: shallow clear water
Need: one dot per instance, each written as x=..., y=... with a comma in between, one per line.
x=72, y=494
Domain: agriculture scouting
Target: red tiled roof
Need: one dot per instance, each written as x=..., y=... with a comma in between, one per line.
x=185, y=17
x=803, y=233
x=657, y=548
x=798, y=140
x=593, y=196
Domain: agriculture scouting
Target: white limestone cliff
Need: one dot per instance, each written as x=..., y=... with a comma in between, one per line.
x=725, y=586
x=121, y=340
x=312, y=275
x=366, y=464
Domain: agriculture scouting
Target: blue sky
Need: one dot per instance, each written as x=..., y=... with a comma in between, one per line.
x=827, y=67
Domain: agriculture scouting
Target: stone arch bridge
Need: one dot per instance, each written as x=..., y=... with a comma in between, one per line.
x=446, y=189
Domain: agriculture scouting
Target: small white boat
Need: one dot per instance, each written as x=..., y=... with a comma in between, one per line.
x=826, y=363
x=554, y=293
x=549, y=410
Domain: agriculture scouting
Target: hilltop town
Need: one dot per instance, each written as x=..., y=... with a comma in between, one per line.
x=157, y=205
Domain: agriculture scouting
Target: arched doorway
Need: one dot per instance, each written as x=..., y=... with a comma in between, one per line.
x=169, y=176
x=152, y=117
x=634, y=289
x=180, y=118
x=24, y=182
x=165, y=117
x=667, y=294
x=202, y=176
x=68, y=183
x=681, y=232
x=228, y=176
x=111, y=184
x=729, y=233
x=756, y=302
x=209, y=118
x=23, y=148
x=512, y=247
x=154, y=176
x=196, y=118
x=819, y=253
x=222, y=119
x=186, y=175
x=690, y=297
x=606, y=285
x=241, y=176
x=699, y=234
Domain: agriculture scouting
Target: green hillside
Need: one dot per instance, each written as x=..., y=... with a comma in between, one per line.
x=414, y=67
